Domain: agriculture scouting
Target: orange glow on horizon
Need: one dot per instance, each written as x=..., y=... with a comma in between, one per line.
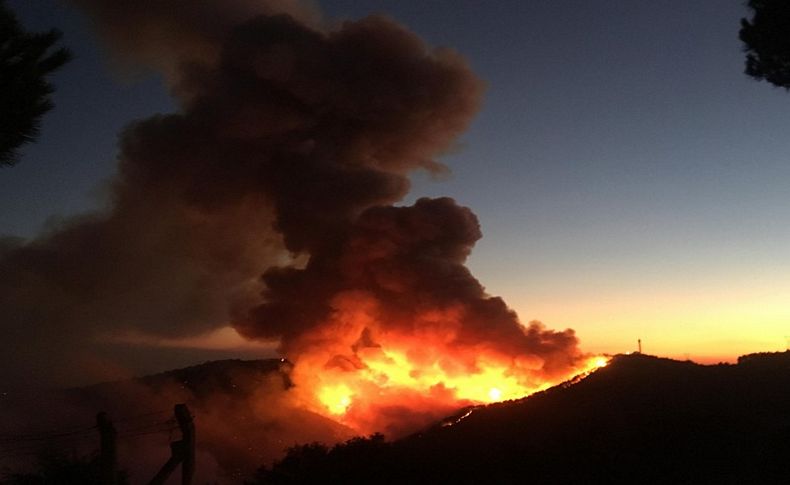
x=706, y=322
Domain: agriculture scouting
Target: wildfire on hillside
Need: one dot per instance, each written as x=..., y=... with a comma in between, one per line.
x=271, y=199
x=402, y=383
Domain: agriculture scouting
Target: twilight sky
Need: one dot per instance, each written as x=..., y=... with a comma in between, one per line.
x=630, y=180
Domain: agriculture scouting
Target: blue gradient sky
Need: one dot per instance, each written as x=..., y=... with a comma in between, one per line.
x=631, y=181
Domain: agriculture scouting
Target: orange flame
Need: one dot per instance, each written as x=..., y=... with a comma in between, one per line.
x=404, y=383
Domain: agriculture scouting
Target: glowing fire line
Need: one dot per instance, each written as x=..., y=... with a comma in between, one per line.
x=389, y=377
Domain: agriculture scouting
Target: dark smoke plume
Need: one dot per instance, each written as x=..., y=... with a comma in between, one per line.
x=406, y=266
x=290, y=140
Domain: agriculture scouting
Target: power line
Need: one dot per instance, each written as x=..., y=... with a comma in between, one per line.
x=145, y=433
x=140, y=416
x=63, y=430
x=29, y=444
x=38, y=448
x=44, y=436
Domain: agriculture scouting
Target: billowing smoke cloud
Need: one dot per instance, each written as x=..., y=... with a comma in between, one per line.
x=285, y=136
x=292, y=143
x=390, y=302
x=401, y=263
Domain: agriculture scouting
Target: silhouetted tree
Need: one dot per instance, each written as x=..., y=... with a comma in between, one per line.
x=767, y=39
x=25, y=61
x=302, y=464
x=358, y=460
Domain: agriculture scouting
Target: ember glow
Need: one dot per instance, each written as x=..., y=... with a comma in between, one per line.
x=336, y=399
x=396, y=389
x=364, y=395
x=599, y=362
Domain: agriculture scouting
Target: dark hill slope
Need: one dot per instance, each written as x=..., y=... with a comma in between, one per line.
x=243, y=413
x=239, y=378
x=640, y=420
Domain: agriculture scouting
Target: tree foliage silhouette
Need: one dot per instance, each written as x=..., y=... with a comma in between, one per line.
x=767, y=39
x=26, y=59
x=358, y=460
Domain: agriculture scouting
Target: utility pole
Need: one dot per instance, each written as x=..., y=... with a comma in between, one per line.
x=639, y=344
x=108, y=456
x=181, y=452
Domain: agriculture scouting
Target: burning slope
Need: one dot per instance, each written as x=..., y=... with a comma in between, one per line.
x=291, y=146
x=642, y=419
x=400, y=333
